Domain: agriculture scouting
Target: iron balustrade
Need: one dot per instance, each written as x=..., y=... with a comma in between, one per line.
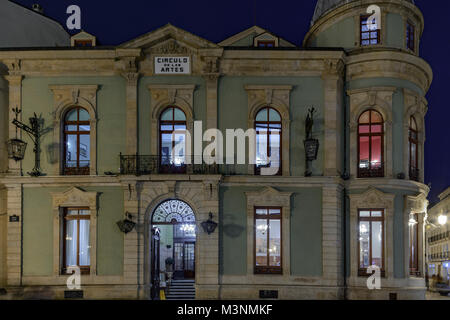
x=371, y=170
x=414, y=174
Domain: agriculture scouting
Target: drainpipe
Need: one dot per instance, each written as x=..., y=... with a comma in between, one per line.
x=345, y=176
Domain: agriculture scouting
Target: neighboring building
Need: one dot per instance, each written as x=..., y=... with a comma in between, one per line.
x=438, y=238
x=107, y=156
x=26, y=27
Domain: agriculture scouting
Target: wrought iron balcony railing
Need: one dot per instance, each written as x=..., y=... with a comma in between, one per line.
x=414, y=174
x=366, y=170
x=145, y=164
x=71, y=168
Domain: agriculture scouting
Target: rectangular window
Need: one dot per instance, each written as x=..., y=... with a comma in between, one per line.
x=370, y=240
x=268, y=241
x=413, y=247
x=83, y=43
x=370, y=35
x=266, y=44
x=410, y=36
x=76, y=241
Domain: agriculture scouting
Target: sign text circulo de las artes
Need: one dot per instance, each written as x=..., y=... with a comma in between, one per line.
x=172, y=65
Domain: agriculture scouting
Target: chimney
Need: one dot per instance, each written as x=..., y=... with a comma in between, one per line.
x=37, y=8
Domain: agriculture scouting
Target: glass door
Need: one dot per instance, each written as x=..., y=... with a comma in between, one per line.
x=189, y=260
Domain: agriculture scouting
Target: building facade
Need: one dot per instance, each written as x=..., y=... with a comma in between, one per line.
x=311, y=231
x=438, y=239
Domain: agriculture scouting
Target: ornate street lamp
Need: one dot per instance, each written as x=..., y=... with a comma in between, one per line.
x=35, y=131
x=126, y=225
x=209, y=226
x=311, y=145
x=16, y=147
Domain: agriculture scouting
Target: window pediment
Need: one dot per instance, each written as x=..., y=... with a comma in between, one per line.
x=74, y=197
x=372, y=198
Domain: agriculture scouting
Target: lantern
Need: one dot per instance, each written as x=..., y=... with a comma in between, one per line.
x=209, y=226
x=16, y=149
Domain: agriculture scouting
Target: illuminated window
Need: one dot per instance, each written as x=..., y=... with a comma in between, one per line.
x=370, y=240
x=172, y=145
x=413, y=150
x=77, y=142
x=268, y=140
x=76, y=241
x=369, y=35
x=413, y=245
x=370, y=145
x=268, y=241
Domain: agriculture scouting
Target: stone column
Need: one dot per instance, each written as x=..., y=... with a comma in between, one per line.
x=332, y=235
x=211, y=100
x=15, y=100
x=14, y=235
x=332, y=111
x=132, y=124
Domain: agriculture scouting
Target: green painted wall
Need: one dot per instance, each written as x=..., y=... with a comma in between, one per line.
x=340, y=34
x=111, y=113
x=305, y=232
x=38, y=231
x=4, y=116
x=145, y=110
x=306, y=92
x=395, y=36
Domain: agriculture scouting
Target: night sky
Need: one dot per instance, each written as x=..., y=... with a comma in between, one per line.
x=114, y=22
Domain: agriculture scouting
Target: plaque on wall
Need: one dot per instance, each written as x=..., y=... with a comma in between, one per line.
x=172, y=65
x=73, y=294
x=268, y=294
x=14, y=218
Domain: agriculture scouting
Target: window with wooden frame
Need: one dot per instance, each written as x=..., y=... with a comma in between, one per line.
x=76, y=239
x=83, y=43
x=369, y=33
x=413, y=150
x=268, y=140
x=410, y=36
x=370, y=145
x=370, y=240
x=172, y=145
x=265, y=43
x=413, y=245
x=268, y=244
x=77, y=142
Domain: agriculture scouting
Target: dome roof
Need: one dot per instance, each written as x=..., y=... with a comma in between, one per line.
x=323, y=6
x=24, y=27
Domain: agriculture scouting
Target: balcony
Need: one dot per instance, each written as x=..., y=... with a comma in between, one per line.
x=72, y=168
x=370, y=170
x=144, y=164
x=414, y=174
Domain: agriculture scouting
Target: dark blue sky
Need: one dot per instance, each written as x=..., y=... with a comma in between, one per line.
x=114, y=22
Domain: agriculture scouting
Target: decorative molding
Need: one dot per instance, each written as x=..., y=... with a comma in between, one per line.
x=74, y=197
x=64, y=98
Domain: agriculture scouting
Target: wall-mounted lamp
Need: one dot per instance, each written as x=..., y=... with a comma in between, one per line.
x=127, y=225
x=209, y=226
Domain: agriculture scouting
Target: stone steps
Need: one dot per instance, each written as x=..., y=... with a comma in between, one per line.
x=181, y=290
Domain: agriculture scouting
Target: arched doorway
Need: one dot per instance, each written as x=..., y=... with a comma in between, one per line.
x=173, y=238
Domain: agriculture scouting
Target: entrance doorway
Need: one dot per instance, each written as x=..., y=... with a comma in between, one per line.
x=173, y=238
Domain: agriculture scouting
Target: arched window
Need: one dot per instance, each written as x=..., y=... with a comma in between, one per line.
x=172, y=146
x=77, y=142
x=413, y=150
x=268, y=140
x=370, y=145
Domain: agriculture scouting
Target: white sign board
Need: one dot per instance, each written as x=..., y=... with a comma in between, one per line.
x=172, y=65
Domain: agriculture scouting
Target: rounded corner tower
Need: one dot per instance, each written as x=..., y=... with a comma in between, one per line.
x=385, y=83
x=337, y=23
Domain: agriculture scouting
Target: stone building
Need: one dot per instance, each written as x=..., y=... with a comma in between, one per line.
x=438, y=238
x=309, y=232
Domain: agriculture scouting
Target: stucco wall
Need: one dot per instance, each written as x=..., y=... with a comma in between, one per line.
x=395, y=35
x=307, y=91
x=38, y=231
x=111, y=113
x=3, y=219
x=305, y=230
